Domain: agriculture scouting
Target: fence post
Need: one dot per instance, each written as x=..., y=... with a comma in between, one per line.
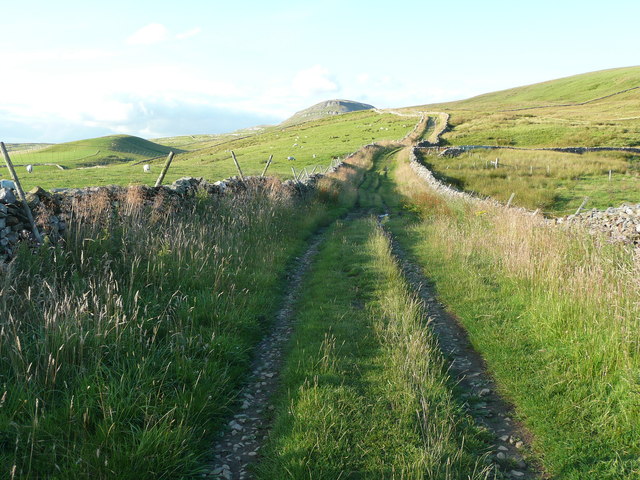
x=235, y=160
x=267, y=165
x=584, y=202
x=165, y=169
x=21, y=194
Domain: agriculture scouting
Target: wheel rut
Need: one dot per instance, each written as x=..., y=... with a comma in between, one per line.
x=238, y=446
x=468, y=369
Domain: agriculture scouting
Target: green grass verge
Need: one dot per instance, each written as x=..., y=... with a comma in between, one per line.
x=556, y=317
x=364, y=388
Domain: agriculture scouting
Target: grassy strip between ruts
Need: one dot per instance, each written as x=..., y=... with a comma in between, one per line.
x=554, y=313
x=364, y=391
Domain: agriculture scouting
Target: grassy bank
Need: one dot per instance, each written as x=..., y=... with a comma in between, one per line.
x=120, y=351
x=364, y=392
x=554, y=313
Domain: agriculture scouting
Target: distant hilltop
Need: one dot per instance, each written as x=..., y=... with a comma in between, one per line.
x=325, y=109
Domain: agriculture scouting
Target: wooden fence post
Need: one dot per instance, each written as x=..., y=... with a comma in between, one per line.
x=21, y=194
x=165, y=169
x=584, y=202
x=235, y=160
x=267, y=165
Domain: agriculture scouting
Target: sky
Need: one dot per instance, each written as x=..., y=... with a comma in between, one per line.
x=80, y=69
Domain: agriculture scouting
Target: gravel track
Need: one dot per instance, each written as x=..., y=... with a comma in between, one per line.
x=467, y=367
x=238, y=446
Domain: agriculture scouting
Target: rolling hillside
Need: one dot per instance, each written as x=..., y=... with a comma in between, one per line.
x=592, y=109
x=116, y=159
x=94, y=151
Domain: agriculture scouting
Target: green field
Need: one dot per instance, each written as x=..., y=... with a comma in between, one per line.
x=554, y=182
x=118, y=160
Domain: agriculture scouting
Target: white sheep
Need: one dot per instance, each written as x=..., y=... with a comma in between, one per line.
x=291, y=158
x=29, y=168
x=146, y=168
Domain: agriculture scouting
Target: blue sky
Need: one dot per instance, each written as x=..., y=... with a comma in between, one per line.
x=78, y=69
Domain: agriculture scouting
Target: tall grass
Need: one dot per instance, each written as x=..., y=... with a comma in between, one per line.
x=555, y=313
x=120, y=351
x=365, y=393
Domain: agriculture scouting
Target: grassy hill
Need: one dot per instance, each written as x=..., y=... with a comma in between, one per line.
x=592, y=109
x=116, y=159
x=94, y=151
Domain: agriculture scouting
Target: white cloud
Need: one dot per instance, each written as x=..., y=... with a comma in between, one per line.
x=189, y=33
x=363, y=78
x=149, y=35
x=314, y=80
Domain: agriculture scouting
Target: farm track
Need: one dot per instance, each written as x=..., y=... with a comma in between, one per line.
x=238, y=446
x=476, y=388
x=469, y=370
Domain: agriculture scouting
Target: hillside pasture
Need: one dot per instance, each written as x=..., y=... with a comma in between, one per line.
x=327, y=139
x=591, y=109
x=554, y=182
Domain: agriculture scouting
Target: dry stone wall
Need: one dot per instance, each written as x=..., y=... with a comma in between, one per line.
x=460, y=149
x=55, y=209
x=619, y=224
